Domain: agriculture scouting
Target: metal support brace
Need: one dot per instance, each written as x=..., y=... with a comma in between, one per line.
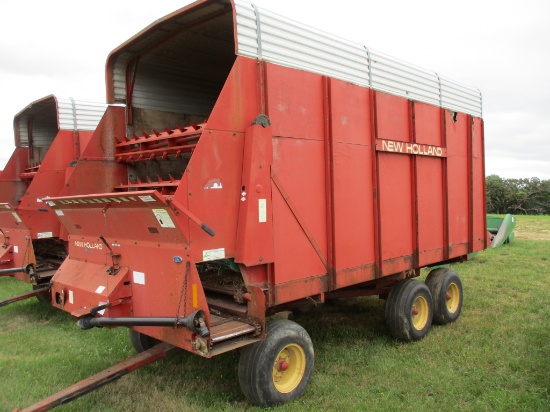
x=24, y=296
x=258, y=31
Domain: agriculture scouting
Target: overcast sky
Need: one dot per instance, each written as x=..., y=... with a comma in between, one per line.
x=60, y=47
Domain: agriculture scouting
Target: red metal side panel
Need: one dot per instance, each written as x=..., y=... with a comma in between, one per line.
x=430, y=194
x=11, y=187
x=81, y=285
x=49, y=181
x=457, y=161
x=295, y=258
x=239, y=102
x=96, y=170
x=16, y=250
x=218, y=159
x=353, y=206
x=480, y=230
x=353, y=189
x=394, y=170
x=295, y=107
x=350, y=110
x=295, y=103
x=298, y=166
x=214, y=160
x=255, y=227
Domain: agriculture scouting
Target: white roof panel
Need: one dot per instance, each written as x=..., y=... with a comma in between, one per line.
x=268, y=36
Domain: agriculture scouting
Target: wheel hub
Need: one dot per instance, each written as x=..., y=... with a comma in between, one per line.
x=452, y=298
x=282, y=366
x=289, y=368
x=419, y=313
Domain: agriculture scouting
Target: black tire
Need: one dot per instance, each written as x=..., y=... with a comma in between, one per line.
x=264, y=380
x=409, y=310
x=446, y=289
x=142, y=342
x=304, y=308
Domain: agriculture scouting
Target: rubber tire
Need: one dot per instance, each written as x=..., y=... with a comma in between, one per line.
x=257, y=360
x=399, y=310
x=438, y=281
x=142, y=342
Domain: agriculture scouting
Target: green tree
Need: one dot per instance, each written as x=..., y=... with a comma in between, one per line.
x=518, y=196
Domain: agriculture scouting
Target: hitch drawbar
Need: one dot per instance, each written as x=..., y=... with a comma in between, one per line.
x=37, y=292
x=157, y=352
x=29, y=270
x=194, y=322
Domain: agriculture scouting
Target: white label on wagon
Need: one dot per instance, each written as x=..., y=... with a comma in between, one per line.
x=139, y=277
x=163, y=218
x=45, y=235
x=147, y=198
x=59, y=212
x=16, y=216
x=50, y=203
x=213, y=254
x=16, y=249
x=262, y=210
x=7, y=206
x=102, y=311
x=100, y=289
x=71, y=297
x=213, y=184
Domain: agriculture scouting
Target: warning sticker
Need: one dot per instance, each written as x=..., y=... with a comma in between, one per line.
x=50, y=203
x=164, y=218
x=15, y=249
x=213, y=254
x=262, y=210
x=213, y=184
x=102, y=311
x=16, y=216
x=45, y=235
x=100, y=289
x=139, y=277
x=147, y=198
x=71, y=297
x=59, y=212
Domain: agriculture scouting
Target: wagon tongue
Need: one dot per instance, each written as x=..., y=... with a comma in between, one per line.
x=160, y=351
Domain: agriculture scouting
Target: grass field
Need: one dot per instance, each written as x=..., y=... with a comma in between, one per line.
x=495, y=357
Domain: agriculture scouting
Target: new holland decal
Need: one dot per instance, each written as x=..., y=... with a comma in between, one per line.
x=419, y=149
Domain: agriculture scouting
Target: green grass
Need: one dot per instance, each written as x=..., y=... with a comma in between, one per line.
x=495, y=357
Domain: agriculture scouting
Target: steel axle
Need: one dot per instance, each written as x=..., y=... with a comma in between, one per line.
x=194, y=322
x=29, y=270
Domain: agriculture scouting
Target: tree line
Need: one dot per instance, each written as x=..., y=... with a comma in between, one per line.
x=518, y=196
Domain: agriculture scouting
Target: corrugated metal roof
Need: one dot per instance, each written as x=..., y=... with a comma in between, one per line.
x=184, y=58
x=47, y=116
x=277, y=39
x=182, y=61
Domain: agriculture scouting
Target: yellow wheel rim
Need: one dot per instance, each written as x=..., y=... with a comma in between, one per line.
x=419, y=312
x=289, y=368
x=452, y=297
